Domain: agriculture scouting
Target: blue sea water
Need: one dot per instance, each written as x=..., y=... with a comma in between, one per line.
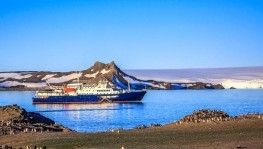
x=157, y=107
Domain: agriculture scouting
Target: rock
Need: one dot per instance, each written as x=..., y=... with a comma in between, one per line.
x=205, y=116
x=15, y=119
x=37, y=118
x=201, y=85
x=215, y=116
x=217, y=86
x=141, y=127
x=198, y=86
x=239, y=146
x=156, y=125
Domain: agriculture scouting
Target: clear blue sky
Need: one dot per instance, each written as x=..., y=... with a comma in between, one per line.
x=63, y=35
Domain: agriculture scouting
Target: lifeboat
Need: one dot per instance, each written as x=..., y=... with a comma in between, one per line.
x=68, y=89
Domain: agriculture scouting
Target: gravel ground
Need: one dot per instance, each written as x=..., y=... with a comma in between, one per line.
x=246, y=133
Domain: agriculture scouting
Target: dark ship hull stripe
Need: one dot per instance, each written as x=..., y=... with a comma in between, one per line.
x=100, y=98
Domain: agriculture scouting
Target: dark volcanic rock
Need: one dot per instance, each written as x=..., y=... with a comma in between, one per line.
x=215, y=116
x=141, y=127
x=14, y=119
x=201, y=85
x=217, y=86
x=205, y=116
x=37, y=118
x=198, y=85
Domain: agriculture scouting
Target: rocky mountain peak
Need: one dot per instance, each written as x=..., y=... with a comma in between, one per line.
x=98, y=65
x=112, y=63
x=101, y=71
x=102, y=67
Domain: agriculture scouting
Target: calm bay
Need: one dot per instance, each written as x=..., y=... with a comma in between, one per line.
x=162, y=106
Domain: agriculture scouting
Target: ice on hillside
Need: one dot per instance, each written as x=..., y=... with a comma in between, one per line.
x=93, y=75
x=104, y=71
x=64, y=78
x=19, y=76
x=48, y=76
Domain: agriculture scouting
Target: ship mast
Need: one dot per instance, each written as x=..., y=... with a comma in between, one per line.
x=78, y=81
x=78, y=78
x=49, y=85
x=129, y=88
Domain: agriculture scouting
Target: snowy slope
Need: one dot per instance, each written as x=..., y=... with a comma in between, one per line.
x=98, y=72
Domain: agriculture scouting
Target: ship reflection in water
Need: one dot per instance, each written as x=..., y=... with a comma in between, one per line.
x=84, y=107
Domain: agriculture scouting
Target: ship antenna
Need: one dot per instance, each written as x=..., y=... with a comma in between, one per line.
x=78, y=78
x=129, y=88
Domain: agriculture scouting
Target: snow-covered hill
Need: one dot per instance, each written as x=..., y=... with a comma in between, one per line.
x=99, y=71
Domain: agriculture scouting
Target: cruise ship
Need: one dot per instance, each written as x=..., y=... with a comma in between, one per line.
x=80, y=93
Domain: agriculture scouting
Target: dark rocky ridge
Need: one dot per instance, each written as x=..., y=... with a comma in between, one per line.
x=214, y=116
x=14, y=119
x=100, y=71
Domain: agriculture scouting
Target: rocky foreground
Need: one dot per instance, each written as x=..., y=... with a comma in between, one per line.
x=14, y=120
x=201, y=129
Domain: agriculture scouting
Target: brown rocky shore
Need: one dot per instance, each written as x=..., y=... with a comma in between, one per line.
x=14, y=120
x=201, y=129
x=215, y=116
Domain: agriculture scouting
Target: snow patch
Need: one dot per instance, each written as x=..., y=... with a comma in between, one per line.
x=5, y=76
x=64, y=78
x=104, y=71
x=155, y=85
x=48, y=76
x=134, y=82
x=189, y=85
x=92, y=75
x=241, y=84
